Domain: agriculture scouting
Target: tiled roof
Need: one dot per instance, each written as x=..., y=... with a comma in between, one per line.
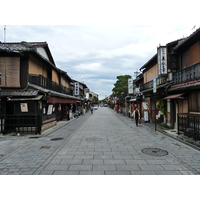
x=189, y=40
x=16, y=47
x=19, y=47
x=22, y=46
x=186, y=86
x=26, y=93
x=154, y=58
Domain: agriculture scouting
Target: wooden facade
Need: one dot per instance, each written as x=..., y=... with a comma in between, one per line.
x=179, y=88
x=35, y=94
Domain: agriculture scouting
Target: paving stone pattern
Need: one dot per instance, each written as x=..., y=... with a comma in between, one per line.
x=102, y=143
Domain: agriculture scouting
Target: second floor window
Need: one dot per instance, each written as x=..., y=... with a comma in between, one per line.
x=10, y=71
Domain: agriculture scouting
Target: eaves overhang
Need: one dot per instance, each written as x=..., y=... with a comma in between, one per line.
x=51, y=92
x=23, y=93
x=185, y=86
x=189, y=41
x=26, y=47
x=150, y=63
x=174, y=96
x=158, y=87
x=26, y=98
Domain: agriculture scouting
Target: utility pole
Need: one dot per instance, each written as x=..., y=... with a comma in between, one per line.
x=155, y=115
x=4, y=33
x=154, y=91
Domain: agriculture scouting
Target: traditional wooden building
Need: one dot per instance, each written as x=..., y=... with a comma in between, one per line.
x=184, y=92
x=81, y=92
x=93, y=97
x=154, y=82
x=170, y=86
x=34, y=92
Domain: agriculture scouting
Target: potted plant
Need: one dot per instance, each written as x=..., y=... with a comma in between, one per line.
x=161, y=107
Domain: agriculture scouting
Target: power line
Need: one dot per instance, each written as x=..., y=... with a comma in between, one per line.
x=17, y=32
x=11, y=33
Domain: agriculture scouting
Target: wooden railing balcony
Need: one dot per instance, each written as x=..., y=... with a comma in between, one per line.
x=187, y=74
x=41, y=81
x=149, y=85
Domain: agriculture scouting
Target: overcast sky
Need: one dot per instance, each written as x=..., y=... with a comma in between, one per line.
x=106, y=48
x=96, y=55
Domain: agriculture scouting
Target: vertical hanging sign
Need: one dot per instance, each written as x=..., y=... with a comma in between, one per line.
x=154, y=85
x=76, y=89
x=162, y=60
x=130, y=86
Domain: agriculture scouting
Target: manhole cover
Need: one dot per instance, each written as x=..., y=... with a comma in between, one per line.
x=94, y=139
x=154, y=152
x=55, y=139
x=45, y=147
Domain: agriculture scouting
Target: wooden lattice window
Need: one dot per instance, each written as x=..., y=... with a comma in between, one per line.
x=10, y=71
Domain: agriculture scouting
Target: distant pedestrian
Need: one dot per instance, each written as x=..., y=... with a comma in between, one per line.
x=136, y=115
x=129, y=112
x=83, y=110
x=67, y=111
x=91, y=109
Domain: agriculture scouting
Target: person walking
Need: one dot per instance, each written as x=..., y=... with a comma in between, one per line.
x=83, y=110
x=91, y=108
x=136, y=115
x=129, y=111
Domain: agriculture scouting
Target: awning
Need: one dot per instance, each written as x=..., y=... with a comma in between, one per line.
x=175, y=96
x=26, y=99
x=60, y=100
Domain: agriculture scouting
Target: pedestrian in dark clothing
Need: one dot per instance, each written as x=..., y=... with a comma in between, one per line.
x=136, y=115
x=91, y=108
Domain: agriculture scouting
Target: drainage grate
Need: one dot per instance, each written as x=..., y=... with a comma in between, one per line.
x=154, y=152
x=33, y=137
x=94, y=139
x=55, y=139
x=45, y=147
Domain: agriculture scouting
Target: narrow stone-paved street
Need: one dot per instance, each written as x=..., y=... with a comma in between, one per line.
x=102, y=143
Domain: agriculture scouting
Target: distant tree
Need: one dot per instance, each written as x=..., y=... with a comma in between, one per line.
x=121, y=87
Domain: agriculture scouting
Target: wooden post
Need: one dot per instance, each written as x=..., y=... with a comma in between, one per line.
x=155, y=116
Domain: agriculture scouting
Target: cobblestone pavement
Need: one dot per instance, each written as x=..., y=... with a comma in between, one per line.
x=102, y=143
